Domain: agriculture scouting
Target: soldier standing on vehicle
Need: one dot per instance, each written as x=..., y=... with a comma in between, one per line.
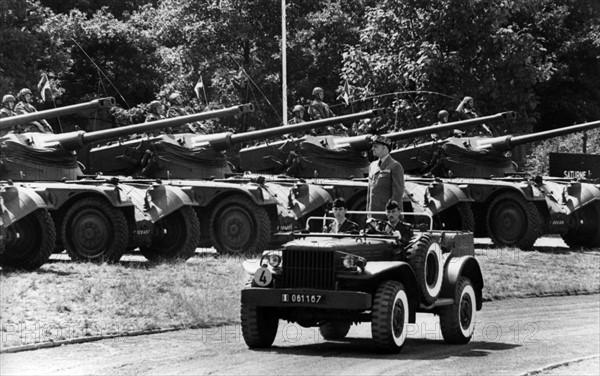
x=8, y=106
x=319, y=109
x=7, y=110
x=341, y=224
x=177, y=109
x=24, y=106
x=156, y=111
x=386, y=176
x=466, y=111
x=298, y=113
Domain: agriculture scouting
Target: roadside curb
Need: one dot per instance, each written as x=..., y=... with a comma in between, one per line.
x=46, y=345
x=561, y=364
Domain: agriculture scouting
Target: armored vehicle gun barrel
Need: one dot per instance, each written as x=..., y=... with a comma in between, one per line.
x=363, y=142
x=78, y=139
x=6, y=123
x=506, y=143
x=223, y=141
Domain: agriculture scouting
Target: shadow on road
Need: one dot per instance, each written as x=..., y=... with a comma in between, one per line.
x=413, y=349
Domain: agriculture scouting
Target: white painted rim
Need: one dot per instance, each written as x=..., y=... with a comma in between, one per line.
x=467, y=332
x=401, y=295
x=435, y=251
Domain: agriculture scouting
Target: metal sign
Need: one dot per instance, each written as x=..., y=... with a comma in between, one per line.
x=576, y=166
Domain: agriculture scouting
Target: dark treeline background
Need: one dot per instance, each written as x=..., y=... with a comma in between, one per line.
x=538, y=57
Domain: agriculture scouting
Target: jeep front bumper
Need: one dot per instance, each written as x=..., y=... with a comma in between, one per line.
x=320, y=299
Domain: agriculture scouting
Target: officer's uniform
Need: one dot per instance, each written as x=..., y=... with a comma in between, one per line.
x=386, y=181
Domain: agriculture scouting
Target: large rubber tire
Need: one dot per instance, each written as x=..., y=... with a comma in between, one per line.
x=333, y=330
x=512, y=221
x=425, y=257
x=175, y=237
x=389, y=317
x=239, y=226
x=586, y=233
x=259, y=326
x=94, y=230
x=29, y=241
x=457, y=321
x=459, y=217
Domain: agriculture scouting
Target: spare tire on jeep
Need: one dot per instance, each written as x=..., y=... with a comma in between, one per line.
x=425, y=257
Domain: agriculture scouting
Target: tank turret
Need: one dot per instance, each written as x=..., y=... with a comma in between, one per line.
x=192, y=156
x=48, y=156
x=472, y=157
x=334, y=156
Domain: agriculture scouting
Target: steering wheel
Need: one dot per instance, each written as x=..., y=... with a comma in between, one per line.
x=377, y=226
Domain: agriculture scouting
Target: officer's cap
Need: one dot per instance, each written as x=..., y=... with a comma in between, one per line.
x=339, y=203
x=381, y=140
x=391, y=205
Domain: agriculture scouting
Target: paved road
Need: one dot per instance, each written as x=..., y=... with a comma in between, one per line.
x=515, y=336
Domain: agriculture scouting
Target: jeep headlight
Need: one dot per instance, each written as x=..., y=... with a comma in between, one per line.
x=352, y=262
x=272, y=259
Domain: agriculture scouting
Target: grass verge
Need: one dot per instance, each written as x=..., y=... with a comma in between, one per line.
x=65, y=300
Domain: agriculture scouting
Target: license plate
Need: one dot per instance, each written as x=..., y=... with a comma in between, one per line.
x=303, y=298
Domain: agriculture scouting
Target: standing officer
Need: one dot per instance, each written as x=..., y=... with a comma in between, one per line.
x=386, y=176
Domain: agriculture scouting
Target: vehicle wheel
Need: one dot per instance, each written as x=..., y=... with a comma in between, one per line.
x=390, y=316
x=335, y=329
x=586, y=233
x=93, y=230
x=259, y=326
x=238, y=225
x=29, y=241
x=457, y=218
x=457, y=321
x=425, y=257
x=513, y=221
x=175, y=237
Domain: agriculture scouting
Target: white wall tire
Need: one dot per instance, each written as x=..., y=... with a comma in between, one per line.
x=425, y=257
x=458, y=320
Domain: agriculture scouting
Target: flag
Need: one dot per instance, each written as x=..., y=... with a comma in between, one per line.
x=345, y=94
x=199, y=87
x=44, y=88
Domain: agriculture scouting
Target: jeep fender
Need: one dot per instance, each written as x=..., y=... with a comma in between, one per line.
x=377, y=272
x=17, y=203
x=457, y=267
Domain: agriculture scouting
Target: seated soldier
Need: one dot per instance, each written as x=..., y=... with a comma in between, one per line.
x=341, y=224
x=394, y=225
x=399, y=228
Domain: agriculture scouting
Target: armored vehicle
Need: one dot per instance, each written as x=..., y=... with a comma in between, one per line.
x=334, y=160
x=511, y=209
x=27, y=232
x=235, y=216
x=332, y=281
x=98, y=219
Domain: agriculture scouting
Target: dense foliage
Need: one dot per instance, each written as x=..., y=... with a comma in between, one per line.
x=537, y=57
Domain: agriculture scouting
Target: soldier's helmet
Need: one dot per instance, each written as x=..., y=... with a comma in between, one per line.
x=317, y=90
x=443, y=115
x=23, y=92
x=298, y=108
x=8, y=98
x=173, y=97
x=154, y=105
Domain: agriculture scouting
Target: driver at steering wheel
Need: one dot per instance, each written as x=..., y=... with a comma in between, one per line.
x=394, y=226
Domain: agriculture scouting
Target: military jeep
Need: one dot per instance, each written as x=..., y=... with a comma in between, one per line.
x=335, y=280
